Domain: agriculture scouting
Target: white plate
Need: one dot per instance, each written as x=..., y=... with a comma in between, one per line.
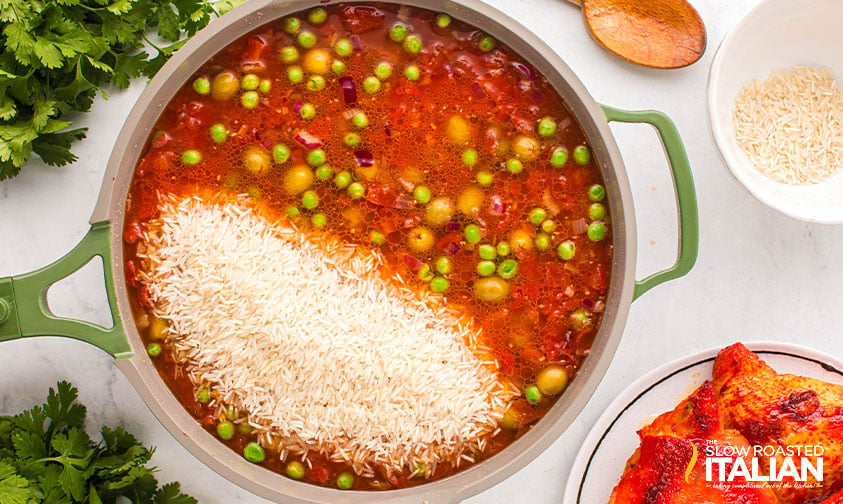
x=777, y=35
x=603, y=455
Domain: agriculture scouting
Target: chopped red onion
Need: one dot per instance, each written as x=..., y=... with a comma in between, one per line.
x=525, y=70
x=297, y=107
x=349, y=90
x=364, y=158
x=452, y=249
x=477, y=90
x=308, y=140
x=498, y=207
x=406, y=184
x=579, y=226
x=349, y=113
x=413, y=263
x=355, y=43
x=537, y=97
x=266, y=142
x=549, y=203
x=588, y=303
x=453, y=226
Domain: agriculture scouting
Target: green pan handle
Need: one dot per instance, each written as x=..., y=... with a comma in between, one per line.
x=686, y=195
x=23, y=299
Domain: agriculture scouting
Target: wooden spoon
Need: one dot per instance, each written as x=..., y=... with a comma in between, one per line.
x=653, y=33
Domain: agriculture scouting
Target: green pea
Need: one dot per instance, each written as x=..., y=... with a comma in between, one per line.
x=596, y=211
x=231, y=414
x=579, y=318
x=371, y=84
x=398, y=32
x=596, y=192
x=254, y=453
x=265, y=86
x=316, y=157
x=324, y=172
x=306, y=39
x=351, y=139
x=254, y=192
x=360, y=120
x=343, y=47
x=383, y=70
x=566, y=250
x=486, y=268
x=596, y=231
x=281, y=153
x=412, y=72
x=542, y=241
x=413, y=44
x=472, y=233
x=295, y=470
x=582, y=155
x=317, y=16
x=338, y=67
x=250, y=82
x=153, y=349
x=202, y=85
x=191, y=157
x=546, y=127
x=342, y=179
x=485, y=179
x=486, y=44
x=245, y=428
x=225, y=430
x=532, y=394
x=537, y=215
x=292, y=212
x=559, y=157
x=439, y=284
x=356, y=190
x=487, y=252
x=443, y=265
x=425, y=274
x=310, y=200
x=295, y=74
x=316, y=83
x=345, y=481
x=443, y=21
x=307, y=111
x=289, y=55
x=469, y=157
x=376, y=237
x=548, y=226
x=219, y=133
x=514, y=166
x=422, y=194
x=503, y=248
x=319, y=220
x=203, y=396
x=250, y=100
x=291, y=25
x=508, y=269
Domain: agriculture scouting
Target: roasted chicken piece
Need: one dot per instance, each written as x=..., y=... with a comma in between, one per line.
x=668, y=468
x=780, y=410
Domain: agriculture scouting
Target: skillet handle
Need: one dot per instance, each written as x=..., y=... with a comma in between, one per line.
x=23, y=299
x=686, y=195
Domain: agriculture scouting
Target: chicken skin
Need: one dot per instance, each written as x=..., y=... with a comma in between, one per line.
x=783, y=411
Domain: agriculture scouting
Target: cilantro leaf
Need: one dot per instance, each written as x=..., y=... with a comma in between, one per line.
x=171, y=494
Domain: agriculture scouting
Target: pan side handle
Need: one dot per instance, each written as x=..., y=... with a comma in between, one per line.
x=686, y=195
x=24, y=311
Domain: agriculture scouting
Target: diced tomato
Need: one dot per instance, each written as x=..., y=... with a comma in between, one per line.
x=319, y=473
x=361, y=18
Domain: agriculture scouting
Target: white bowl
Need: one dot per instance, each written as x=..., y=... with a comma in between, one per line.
x=777, y=35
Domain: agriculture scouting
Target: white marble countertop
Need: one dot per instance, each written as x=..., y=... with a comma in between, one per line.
x=760, y=275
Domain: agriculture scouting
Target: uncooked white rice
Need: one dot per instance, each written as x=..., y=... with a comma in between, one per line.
x=790, y=126
x=311, y=339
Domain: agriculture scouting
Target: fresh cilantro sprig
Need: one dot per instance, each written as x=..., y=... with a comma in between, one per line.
x=47, y=457
x=58, y=54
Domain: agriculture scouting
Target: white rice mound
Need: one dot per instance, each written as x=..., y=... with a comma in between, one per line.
x=790, y=126
x=317, y=342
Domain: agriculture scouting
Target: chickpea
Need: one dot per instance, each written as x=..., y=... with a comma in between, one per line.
x=439, y=212
x=257, y=161
x=317, y=61
x=525, y=147
x=521, y=241
x=470, y=200
x=552, y=380
x=458, y=130
x=421, y=239
x=298, y=179
x=224, y=86
x=491, y=289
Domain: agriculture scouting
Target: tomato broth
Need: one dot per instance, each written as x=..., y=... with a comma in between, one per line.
x=406, y=131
